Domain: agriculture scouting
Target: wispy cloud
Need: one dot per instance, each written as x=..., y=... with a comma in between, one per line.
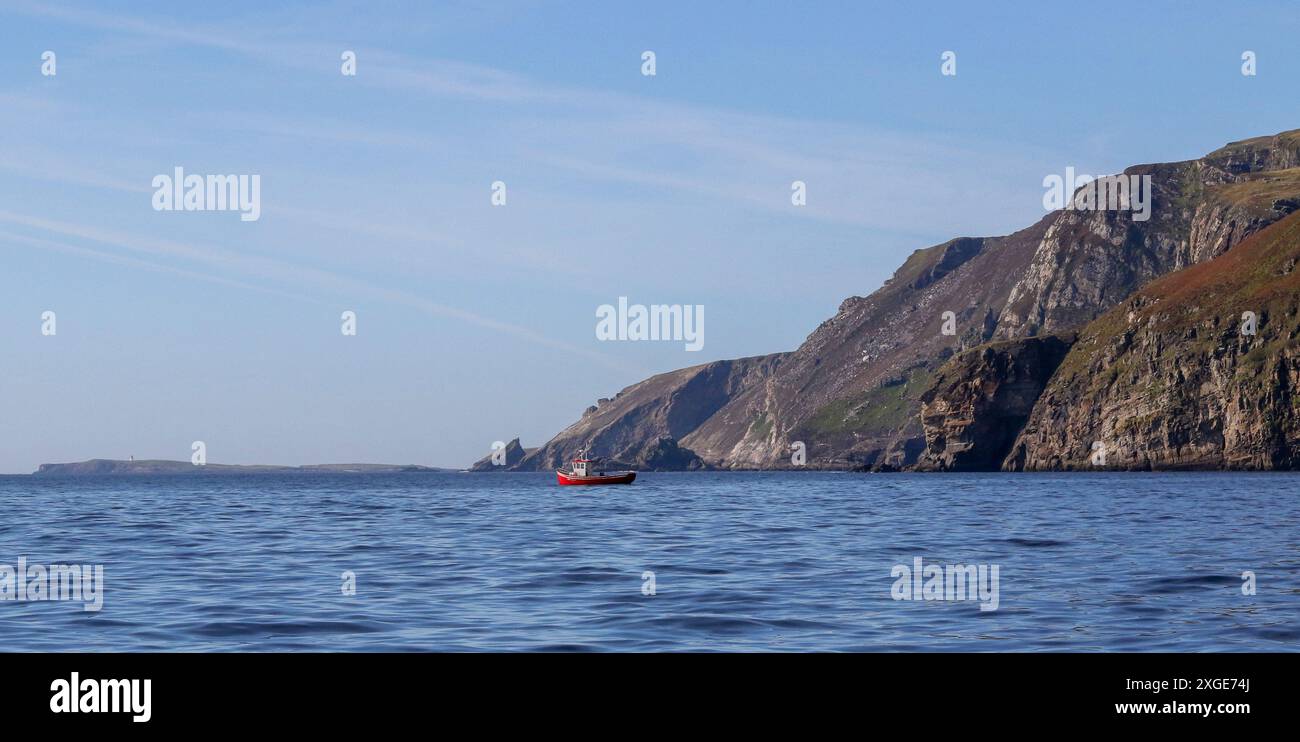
x=856, y=176
x=276, y=270
x=134, y=262
x=854, y=173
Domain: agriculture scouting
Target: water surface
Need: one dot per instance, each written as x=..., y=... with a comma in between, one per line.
x=741, y=561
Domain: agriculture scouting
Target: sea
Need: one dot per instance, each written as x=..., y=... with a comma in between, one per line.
x=695, y=562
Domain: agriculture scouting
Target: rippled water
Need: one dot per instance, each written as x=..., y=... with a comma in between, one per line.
x=742, y=561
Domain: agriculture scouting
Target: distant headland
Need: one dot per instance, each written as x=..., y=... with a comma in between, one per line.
x=96, y=467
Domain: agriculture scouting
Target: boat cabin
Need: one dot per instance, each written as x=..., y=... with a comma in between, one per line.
x=582, y=467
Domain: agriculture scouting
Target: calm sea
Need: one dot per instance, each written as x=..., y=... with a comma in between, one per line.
x=740, y=561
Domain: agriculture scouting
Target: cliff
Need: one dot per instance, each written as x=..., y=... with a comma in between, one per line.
x=1179, y=376
x=1202, y=210
x=642, y=425
x=982, y=398
x=889, y=382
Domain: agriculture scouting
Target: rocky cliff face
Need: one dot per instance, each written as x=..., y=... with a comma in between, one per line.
x=980, y=400
x=853, y=392
x=1180, y=376
x=1090, y=260
x=660, y=454
x=641, y=425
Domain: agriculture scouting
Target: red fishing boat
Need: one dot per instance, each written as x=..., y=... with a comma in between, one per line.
x=585, y=471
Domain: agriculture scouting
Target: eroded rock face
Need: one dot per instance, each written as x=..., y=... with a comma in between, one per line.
x=1272, y=152
x=852, y=392
x=981, y=399
x=632, y=426
x=661, y=454
x=1173, y=379
x=1088, y=261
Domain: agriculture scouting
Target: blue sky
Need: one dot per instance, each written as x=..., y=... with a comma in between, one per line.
x=476, y=323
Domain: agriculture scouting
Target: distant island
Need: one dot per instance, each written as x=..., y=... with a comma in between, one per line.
x=95, y=467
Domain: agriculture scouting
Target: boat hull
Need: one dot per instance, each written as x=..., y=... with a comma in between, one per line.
x=624, y=477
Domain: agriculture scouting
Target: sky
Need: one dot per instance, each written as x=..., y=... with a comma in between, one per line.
x=476, y=322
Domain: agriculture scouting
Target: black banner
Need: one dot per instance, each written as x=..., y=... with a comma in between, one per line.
x=210, y=692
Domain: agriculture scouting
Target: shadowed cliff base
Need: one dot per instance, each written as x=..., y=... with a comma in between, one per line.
x=981, y=399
